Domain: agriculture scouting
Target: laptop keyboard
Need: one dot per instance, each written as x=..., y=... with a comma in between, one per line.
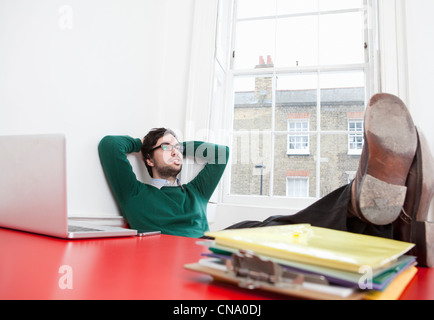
x=81, y=229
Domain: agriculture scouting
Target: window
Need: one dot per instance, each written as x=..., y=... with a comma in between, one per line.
x=298, y=143
x=297, y=187
x=355, y=137
x=295, y=70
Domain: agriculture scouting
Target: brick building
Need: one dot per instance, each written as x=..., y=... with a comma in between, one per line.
x=295, y=139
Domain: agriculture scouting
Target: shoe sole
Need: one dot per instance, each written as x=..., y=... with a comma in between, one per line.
x=380, y=202
x=389, y=132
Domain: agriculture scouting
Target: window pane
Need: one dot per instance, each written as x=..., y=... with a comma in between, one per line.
x=254, y=39
x=355, y=137
x=252, y=103
x=297, y=187
x=298, y=143
x=340, y=4
x=255, y=8
x=296, y=99
x=223, y=31
x=297, y=42
x=296, y=6
x=337, y=166
x=342, y=98
x=298, y=138
x=342, y=38
x=344, y=79
x=251, y=163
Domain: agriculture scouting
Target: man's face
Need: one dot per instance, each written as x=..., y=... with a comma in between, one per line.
x=166, y=164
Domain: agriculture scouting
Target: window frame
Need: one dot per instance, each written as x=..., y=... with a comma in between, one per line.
x=297, y=178
x=297, y=134
x=355, y=134
x=226, y=71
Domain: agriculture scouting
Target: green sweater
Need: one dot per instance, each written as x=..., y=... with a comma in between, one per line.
x=172, y=210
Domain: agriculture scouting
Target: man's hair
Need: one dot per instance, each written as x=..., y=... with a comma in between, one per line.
x=149, y=142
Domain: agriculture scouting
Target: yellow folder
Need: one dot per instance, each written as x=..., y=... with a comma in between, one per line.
x=318, y=246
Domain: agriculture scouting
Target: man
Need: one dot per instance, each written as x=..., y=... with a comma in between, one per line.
x=165, y=204
x=389, y=197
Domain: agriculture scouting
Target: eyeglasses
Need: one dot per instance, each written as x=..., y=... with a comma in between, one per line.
x=169, y=147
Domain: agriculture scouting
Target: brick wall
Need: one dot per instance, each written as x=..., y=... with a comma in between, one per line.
x=252, y=115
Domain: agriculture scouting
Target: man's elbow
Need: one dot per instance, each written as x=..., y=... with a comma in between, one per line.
x=105, y=144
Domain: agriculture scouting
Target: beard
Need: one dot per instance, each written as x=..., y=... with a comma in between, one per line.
x=168, y=171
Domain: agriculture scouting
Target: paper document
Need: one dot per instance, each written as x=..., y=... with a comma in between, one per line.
x=318, y=246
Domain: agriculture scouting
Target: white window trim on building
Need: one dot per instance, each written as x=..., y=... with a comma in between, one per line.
x=302, y=185
x=354, y=135
x=302, y=125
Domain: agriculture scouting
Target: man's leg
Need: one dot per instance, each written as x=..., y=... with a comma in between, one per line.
x=330, y=212
x=373, y=201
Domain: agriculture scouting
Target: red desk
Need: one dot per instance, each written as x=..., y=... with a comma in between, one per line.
x=123, y=268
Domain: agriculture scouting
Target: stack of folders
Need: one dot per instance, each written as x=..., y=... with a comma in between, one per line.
x=308, y=262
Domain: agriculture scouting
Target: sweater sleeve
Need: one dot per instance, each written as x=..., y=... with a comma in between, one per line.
x=215, y=158
x=113, y=152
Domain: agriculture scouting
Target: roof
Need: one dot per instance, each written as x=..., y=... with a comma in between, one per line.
x=340, y=96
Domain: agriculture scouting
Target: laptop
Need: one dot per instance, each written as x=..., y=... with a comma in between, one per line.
x=33, y=195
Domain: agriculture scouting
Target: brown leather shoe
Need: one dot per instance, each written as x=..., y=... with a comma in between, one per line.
x=379, y=189
x=413, y=224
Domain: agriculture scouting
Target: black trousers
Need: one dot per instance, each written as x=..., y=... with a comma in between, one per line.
x=330, y=212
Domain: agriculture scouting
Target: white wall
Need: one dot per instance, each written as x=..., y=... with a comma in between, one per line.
x=90, y=68
x=406, y=50
x=420, y=50
x=420, y=35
